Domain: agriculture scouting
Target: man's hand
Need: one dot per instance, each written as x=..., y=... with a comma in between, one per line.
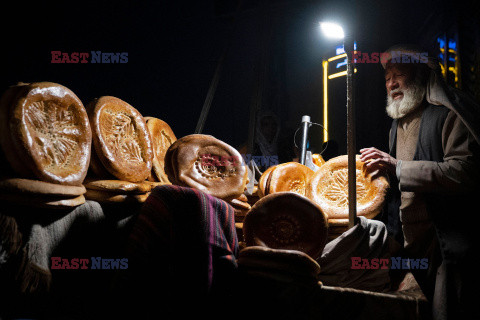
x=375, y=159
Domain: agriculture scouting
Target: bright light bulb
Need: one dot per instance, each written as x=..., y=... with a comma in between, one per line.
x=332, y=30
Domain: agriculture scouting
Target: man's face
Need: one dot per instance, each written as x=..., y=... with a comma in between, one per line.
x=397, y=79
x=405, y=92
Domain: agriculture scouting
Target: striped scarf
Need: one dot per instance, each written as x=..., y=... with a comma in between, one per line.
x=183, y=241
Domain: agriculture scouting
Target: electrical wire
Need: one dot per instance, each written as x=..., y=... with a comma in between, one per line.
x=310, y=124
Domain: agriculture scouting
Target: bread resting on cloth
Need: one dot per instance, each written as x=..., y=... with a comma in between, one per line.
x=241, y=207
x=45, y=133
x=43, y=201
x=162, y=138
x=118, y=191
x=286, y=220
x=121, y=139
x=329, y=189
x=115, y=198
x=119, y=186
x=207, y=164
x=36, y=187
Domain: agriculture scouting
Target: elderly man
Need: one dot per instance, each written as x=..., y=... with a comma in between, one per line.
x=433, y=164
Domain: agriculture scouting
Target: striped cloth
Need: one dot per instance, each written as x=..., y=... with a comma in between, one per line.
x=183, y=246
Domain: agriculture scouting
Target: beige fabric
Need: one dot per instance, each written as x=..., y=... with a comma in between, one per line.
x=413, y=210
x=367, y=239
x=455, y=175
x=439, y=94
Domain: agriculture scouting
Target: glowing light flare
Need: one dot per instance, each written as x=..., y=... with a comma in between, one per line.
x=332, y=30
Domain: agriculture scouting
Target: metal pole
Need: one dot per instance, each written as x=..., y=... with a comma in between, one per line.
x=351, y=148
x=303, y=151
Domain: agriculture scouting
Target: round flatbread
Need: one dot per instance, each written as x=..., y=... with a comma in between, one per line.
x=162, y=138
x=152, y=177
x=49, y=132
x=97, y=168
x=240, y=207
x=290, y=176
x=286, y=220
x=207, y=164
x=43, y=201
x=338, y=222
x=8, y=150
x=329, y=189
x=65, y=203
x=112, y=198
x=262, y=182
x=121, y=139
x=154, y=184
x=36, y=187
x=119, y=186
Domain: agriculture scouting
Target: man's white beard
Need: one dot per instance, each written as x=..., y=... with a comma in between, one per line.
x=412, y=98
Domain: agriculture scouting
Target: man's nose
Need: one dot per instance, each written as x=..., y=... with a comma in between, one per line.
x=392, y=84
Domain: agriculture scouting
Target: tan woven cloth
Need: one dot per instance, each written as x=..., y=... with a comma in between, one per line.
x=367, y=239
x=27, y=259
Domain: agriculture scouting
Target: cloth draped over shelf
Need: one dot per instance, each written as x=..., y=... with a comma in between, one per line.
x=367, y=239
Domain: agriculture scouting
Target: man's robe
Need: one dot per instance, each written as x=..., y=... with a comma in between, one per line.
x=437, y=186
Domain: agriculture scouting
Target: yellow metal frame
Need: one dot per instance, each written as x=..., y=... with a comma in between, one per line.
x=327, y=77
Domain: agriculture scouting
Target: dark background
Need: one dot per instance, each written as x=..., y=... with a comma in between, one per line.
x=274, y=57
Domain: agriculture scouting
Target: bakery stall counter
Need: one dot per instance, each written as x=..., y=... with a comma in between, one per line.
x=283, y=284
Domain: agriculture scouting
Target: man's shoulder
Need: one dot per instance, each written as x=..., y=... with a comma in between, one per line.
x=437, y=111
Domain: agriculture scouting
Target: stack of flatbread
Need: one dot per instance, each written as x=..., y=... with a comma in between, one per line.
x=45, y=140
x=128, y=152
x=328, y=188
x=162, y=138
x=241, y=207
x=288, y=221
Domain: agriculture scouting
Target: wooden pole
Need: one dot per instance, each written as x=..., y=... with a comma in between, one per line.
x=261, y=73
x=216, y=77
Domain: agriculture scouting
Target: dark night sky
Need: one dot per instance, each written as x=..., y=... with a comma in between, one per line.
x=174, y=46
